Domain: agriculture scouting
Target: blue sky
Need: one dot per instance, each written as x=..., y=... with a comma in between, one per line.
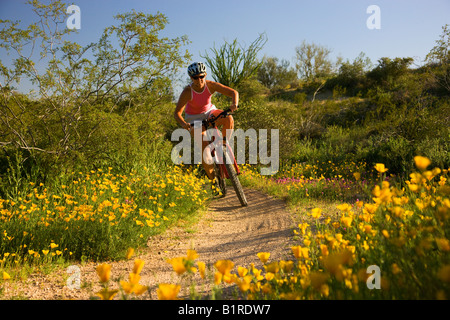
x=409, y=28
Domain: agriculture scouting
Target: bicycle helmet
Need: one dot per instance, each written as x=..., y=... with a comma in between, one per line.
x=196, y=68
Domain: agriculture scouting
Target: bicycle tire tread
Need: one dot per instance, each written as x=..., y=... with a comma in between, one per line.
x=236, y=183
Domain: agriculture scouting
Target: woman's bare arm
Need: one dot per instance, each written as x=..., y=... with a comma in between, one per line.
x=181, y=104
x=227, y=91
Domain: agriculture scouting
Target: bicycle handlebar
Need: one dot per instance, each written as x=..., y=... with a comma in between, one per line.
x=223, y=114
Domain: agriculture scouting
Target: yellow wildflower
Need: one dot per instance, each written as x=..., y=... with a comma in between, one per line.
x=324, y=249
x=192, y=254
x=367, y=228
x=244, y=284
x=413, y=187
x=224, y=266
x=130, y=253
x=286, y=266
x=178, y=265
x=273, y=267
x=133, y=286
x=217, y=278
x=269, y=276
x=318, y=279
x=380, y=168
x=300, y=252
x=242, y=271
x=263, y=256
x=347, y=221
x=106, y=294
x=333, y=262
x=167, y=291
x=421, y=162
x=138, y=265
x=316, y=213
x=302, y=227
x=104, y=272
x=201, y=269
x=344, y=207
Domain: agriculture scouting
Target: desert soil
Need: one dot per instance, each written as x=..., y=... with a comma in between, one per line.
x=224, y=231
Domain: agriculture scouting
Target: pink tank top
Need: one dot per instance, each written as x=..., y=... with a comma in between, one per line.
x=200, y=102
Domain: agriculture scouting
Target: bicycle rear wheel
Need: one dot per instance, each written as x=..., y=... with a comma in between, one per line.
x=220, y=180
x=232, y=174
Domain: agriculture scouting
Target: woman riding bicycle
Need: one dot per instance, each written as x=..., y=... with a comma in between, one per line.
x=195, y=100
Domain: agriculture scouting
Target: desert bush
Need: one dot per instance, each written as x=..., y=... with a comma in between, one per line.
x=279, y=115
x=273, y=73
x=389, y=70
x=252, y=89
x=351, y=76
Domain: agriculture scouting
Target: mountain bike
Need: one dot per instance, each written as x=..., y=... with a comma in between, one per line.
x=225, y=165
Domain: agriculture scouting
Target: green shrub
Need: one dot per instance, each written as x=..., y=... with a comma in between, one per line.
x=278, y=114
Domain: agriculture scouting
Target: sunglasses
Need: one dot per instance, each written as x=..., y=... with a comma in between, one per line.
x=198, y=77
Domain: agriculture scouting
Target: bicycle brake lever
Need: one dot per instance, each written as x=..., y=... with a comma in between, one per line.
x=229, y=110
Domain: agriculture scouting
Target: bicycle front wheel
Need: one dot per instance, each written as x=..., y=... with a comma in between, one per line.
x=220, y=180
x=232, y=174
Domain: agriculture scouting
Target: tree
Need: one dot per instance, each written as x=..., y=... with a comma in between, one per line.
x=273, y=73
x=232, y=63
x=439, y=59
x=389, y=69
x=351, y=75
x=79, y=88
x=312, y=61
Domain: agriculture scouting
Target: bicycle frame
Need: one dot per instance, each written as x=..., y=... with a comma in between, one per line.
x=220, y=158
x=225, y=162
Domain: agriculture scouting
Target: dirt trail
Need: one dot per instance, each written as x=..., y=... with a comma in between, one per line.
x=225, y=231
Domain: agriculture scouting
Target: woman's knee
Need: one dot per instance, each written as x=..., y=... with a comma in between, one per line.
x=227, y=122
x=231, y=119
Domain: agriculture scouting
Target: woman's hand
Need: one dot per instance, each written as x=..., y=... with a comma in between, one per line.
x=187, y=126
